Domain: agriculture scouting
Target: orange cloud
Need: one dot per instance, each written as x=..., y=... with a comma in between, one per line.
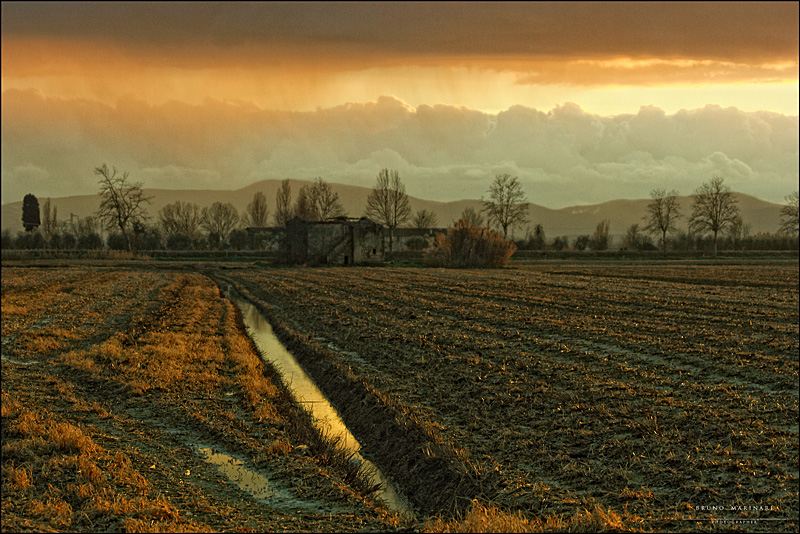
x=360, y=35
x=656, y=72
x=306, y=55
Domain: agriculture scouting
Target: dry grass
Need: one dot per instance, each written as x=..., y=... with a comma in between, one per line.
x=18, y=477
x=280, y=447
x=489, y=518
x=121, y=355
x=481, y=518
x=54, y=474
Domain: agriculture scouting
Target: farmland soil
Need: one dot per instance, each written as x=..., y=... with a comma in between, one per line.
x=659, y=396
x=123, y=388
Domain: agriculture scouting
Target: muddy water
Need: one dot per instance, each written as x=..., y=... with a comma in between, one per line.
x=257, y=485
x=308, y=394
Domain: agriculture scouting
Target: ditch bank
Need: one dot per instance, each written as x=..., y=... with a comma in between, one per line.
x=427, y=469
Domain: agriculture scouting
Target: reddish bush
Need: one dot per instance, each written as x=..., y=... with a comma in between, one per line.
x=465, y=245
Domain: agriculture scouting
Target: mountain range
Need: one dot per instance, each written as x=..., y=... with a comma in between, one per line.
x=761, y=216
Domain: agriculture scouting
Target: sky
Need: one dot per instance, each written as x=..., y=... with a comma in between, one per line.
x=584, y=102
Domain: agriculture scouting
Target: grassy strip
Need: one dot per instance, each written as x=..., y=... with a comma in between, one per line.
x=172, y=353
x=55, y=477
x=489, y=518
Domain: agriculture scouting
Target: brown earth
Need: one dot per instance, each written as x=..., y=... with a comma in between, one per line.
x=117, y=385
x=556, y=396
x=664, y=395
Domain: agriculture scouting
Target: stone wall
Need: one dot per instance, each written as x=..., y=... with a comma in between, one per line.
x=335, y=242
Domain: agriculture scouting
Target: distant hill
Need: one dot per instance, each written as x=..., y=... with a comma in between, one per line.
x=571, y=221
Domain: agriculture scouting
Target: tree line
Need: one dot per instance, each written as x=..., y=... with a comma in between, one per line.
x=714, y=221
x=123, y=214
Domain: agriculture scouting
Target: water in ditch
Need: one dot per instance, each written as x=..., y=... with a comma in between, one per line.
x=307, y=393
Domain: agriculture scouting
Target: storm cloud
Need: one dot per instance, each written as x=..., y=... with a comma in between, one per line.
x=571, y=43
x=727, y=31
x=564, y=156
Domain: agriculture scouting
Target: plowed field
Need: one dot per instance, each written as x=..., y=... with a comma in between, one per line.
x=662, y=396
x=125, y=392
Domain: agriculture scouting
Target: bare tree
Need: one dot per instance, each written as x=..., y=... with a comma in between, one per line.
x=507, y=205
x=283, y=204
x=181, y=218
x=324, y=202
x=219, y=220
x=737, y=231
x=424, y=219
x=49, y=220
x=86, y=226
x=388, y=203
x=257, y=211
x=600, y=239
x=87, y=232
x=538, y=240
x=790, y=215
x=472, y=217
x=304, y=205
x=662, y=214
x=122, y=203
x=714, y=209
x=632, y=238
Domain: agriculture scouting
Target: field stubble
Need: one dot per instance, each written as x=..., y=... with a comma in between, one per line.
x=652, y=395
x=118, y=384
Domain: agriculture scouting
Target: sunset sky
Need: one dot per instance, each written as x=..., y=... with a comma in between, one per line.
x=584, y=102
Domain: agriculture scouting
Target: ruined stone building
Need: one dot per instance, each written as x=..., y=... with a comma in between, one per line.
x=344, y=241
x=340, y=241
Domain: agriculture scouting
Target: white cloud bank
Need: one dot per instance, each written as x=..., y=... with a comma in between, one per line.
x=563, y=157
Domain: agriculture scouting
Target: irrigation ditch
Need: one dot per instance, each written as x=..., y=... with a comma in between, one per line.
x=427, y=471
x=314, y=402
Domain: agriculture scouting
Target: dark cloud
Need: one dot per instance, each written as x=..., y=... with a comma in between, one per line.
x=385, y=31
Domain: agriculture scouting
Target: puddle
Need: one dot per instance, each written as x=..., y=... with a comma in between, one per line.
x=41, y=324
x=307, y=393
x=15, y=361
x=257, y=485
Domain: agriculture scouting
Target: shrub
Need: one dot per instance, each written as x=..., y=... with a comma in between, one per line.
x=149, y=240
x=238, y=239
x=179, y=242
x=68, y=241
x=560, y=243
x=465, y=245
x=90, y=241
x=24, y=241
x=117, y=241
x=8, y=240
x=582, y=242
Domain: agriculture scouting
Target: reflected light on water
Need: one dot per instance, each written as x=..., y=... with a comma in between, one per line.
x=307, y=393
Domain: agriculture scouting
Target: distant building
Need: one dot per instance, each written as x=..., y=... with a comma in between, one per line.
x=339, y=241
